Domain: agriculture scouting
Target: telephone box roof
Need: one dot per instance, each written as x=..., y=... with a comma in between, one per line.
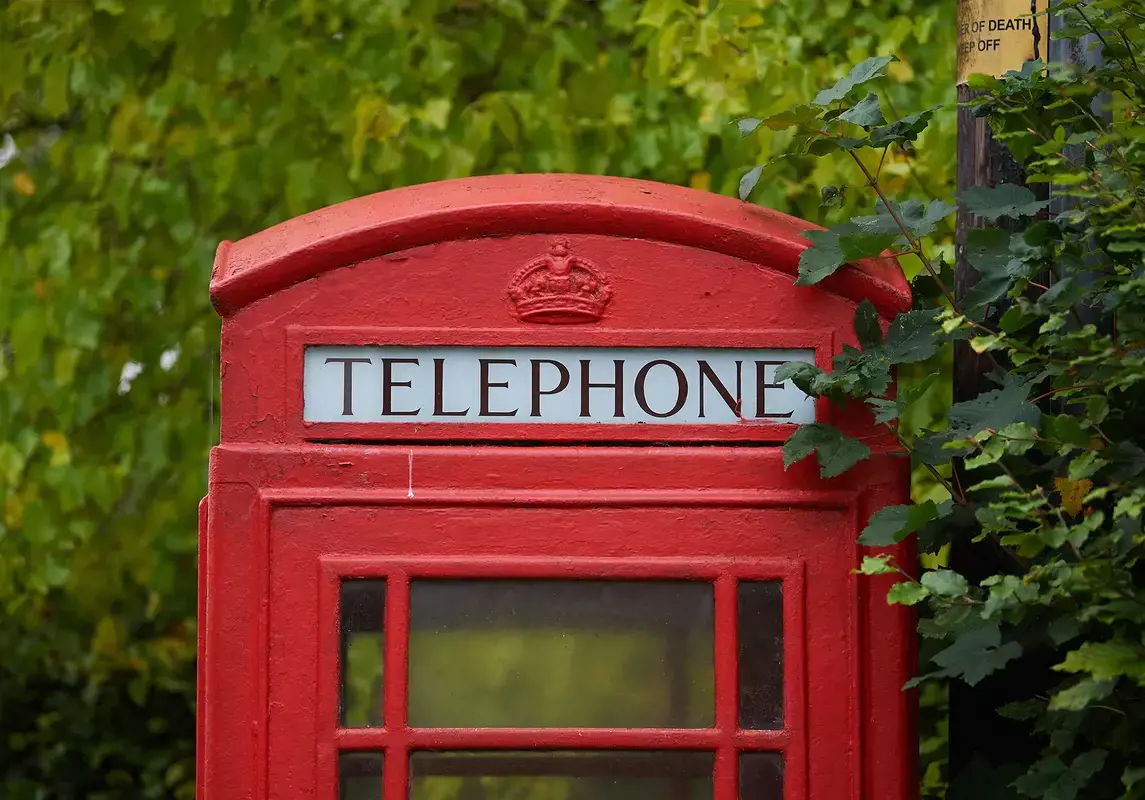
x=505, y=205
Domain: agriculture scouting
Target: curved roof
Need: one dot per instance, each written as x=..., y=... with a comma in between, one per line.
x=503, y=205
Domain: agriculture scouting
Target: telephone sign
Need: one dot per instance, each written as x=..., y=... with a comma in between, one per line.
x=539, y=384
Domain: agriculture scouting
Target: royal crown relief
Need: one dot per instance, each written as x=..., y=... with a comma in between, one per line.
x=539, y=384
x=560, y=288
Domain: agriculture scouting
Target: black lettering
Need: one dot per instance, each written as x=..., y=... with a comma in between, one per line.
x=486, y=385
x=388, y=384
x=537, y=391
x=733, y=403
x=617, y=386
x=761, y=387
x=681, y=388
x=439, y=391
x=348, y=381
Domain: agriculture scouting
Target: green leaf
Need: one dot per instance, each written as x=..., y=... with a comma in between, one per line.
x=1131, y=776
x=835, y=452
x=836, y=246
x=863, y=72
x=916, y=218
x=831, y=196
x=988, y=251
x=912, y=337
x=803, y=375
x=1128, y=460
x=892, y=524
x=904, y=130
x=920, y=220
x=1081, y=694
x=822, y=145
x=867, y=113
x=55, y=88
x=994, y=410
x=1106, y=660
x=890, y=410
x=877, y=565
x=1062, y=629
x=748, y=181
x=799, y=116
x=1068, y=429
x=945, y=583
x=867, y=328
x=748, y=125
x=1051, y=779
x=907, y=593
x=924, y=220
x=1006, y=200
x=976, y=654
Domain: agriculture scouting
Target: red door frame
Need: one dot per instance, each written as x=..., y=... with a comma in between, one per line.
x=859, y=730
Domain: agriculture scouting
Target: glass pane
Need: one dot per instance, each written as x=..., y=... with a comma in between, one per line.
x=363, y=606
x=575, y=654
x=761, y=776
x=761, y=655
x=360, y=776
x=567, y=775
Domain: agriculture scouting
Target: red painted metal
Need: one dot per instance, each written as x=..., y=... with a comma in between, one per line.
x=297, y=507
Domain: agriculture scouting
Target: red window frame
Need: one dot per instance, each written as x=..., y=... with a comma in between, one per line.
x=725, y=738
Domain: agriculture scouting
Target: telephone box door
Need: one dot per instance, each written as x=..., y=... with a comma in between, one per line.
x=552, y=624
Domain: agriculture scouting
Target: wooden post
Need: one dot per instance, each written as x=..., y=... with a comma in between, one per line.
x=977, y=731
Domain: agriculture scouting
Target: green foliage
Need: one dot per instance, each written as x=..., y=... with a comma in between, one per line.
x=145, y=132
x=1048, y=470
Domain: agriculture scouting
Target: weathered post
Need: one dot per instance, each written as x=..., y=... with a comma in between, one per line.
x=994, y=37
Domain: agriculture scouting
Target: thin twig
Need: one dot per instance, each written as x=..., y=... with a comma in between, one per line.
x=955, y=494
x=882, y=158
x=1061, y=389
x=915, y=243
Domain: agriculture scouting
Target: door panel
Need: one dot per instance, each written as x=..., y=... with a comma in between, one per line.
x=522, y=636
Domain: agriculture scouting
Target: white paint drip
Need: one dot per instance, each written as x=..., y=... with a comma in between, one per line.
x=410, y=493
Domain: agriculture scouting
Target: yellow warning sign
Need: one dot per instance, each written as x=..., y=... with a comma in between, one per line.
x=996, y=36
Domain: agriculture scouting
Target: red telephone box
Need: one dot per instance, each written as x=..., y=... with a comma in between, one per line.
x=499, y=510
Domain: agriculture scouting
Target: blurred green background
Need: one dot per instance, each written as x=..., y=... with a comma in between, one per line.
x=137, y=134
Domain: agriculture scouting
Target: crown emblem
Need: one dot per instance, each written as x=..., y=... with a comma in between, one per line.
x=559, y=288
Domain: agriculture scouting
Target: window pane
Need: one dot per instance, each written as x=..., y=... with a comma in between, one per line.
x=761, y=655
x=360, y=776
x=568, y=775
x=363, y=607
x=761, y=776
x=591, y=654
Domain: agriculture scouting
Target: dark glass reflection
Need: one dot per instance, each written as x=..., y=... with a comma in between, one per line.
x=360, y=776
x=551, y=653
x=761, y=655
x=363, y=611
x=567, y=775
x=761, y=776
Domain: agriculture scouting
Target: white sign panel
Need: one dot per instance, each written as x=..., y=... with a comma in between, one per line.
x=551, y=384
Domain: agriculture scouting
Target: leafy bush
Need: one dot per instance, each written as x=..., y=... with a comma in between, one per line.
x=1046, y=469
x=137, y=134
